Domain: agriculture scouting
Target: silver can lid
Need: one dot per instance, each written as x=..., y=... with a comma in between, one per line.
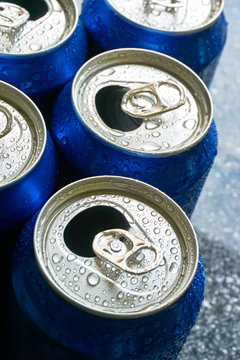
x=170, y=15
x=168, y=107
x=21, y=35
x=22, y=135
x=137, y=266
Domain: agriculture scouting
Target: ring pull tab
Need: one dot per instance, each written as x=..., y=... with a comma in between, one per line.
x=126, y=251
x=146, y=101
x=168, y=4
x=6, y=120
x=12, y=16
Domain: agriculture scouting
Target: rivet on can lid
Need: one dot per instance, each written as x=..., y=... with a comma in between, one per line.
x=135, y=271
x=21, y=35
x=170, y=15
x=142, y=101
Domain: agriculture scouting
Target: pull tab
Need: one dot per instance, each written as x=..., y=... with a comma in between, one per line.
x=168, y=4
x=125, y=251
x=145, y=101
x=12, y=16
x=5, y=121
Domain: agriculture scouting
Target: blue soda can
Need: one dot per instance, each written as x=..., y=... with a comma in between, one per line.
x=28, y=159
x=139, y=114
x=192, y=31
x=112, y=270
x=42, y=46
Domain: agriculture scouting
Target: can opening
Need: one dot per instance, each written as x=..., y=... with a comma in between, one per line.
x=81, y=230
x=108, y=104
x=36, y=8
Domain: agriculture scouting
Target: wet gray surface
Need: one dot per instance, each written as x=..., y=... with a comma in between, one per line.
x=216, y=335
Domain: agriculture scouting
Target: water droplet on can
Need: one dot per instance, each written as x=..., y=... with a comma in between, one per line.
x=150, y=146
x=35, y=46
x=173, y=268
x=189, y=124
x=57, y=258
x=93, y=279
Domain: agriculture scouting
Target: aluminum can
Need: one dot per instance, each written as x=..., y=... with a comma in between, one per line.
x=192, y=31
x=28, y=159
x=140, y=114
x=42, y=47
x=115, y=271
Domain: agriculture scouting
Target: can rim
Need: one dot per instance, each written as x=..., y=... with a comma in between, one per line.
x=37, y=115
x=53, y=47
x=118, y=147
x=176, y=32
x=38, y=251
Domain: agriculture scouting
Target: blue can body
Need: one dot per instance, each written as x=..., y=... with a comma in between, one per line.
x=82, y=154
x=200, y=50
x=42, y=75
x=158, y=336
x=22, y=199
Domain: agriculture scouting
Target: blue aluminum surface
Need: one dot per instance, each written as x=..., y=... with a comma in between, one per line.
x=22, y=199
x=158, y=336
x=82, y=154
x=200, y=50
x=42, y=75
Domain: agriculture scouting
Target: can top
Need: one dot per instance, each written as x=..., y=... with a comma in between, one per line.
x=115, y=247
x=142, y=101
x=25, y=33
x=22, y=135
x=170, y=15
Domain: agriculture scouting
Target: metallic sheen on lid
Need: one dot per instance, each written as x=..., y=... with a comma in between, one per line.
x=170, y=15
x=22, y=135
x=22, y=36
x=173, y=103
x=134, y=272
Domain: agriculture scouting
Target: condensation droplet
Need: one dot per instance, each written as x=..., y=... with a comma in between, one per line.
x=174, y=250
x=93, y=279
x=2, y=177
x=124, y=284
x=120, y=295
x=150, y=147
x=140, y=207
x=75, y=278
x=134, y=280
x=107, y=72
x=189, y=124
x=71, y=257
x=82, y=270
x=35, y=46
x=166, y=144
x=173, y=268
x=156, y=134
x=57, y=258
x=151, y=125
x=168, y=232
